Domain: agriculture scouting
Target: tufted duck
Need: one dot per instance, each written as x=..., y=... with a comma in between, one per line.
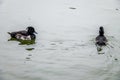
x=101, y=39
x=27, y=34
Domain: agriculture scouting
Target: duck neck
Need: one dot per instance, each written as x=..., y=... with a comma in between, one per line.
x=101, y=34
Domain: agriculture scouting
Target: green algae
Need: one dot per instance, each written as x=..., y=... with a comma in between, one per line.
x=29, y=49
x=23, y=42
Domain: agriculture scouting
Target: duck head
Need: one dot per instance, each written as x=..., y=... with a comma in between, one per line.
x=101, y=31
x=31, y=30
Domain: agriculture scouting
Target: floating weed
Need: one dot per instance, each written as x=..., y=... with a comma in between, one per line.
x=30, y=49
x=12, y=39
x=23, y=42
x=26, y=42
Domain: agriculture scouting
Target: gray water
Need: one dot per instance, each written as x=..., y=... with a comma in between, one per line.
x=64, y=48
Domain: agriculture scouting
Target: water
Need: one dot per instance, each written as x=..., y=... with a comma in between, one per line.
x=64, y=48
